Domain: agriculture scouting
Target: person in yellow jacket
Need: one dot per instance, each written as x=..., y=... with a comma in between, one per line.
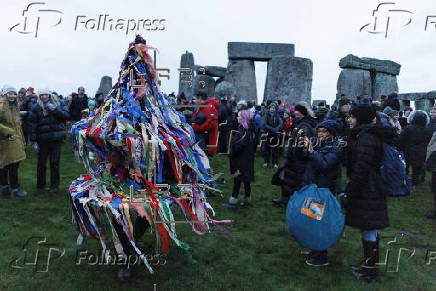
x=11, y=143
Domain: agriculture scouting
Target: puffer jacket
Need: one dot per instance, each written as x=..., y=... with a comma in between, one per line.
x=50, y=127
x=367, y=206
x=324, y=166
x=415, y=138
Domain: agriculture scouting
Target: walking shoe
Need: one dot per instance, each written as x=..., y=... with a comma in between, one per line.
x=265, y=165
x=232, y=204
x=431, y=215
x=43, y=189
x=281, y=201
x=17, y=192
x=4, y=190
x=315, y=262
x=276, y=166
x=53, y=190
x=247, y=203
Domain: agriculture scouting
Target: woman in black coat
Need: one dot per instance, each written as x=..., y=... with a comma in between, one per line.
x=290, y=176
x=366, y=206
x=414, y=140
x=242, y=151
x=48, y=119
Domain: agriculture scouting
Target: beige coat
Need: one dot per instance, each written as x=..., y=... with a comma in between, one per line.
x=11, y=135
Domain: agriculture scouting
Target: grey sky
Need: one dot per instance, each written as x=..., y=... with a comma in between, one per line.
x=324, y=31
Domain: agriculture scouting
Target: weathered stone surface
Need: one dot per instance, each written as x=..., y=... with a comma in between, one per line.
x=384, y=84
x=259, y=51
x=289, y=79
x=205, y=84
x=224, y=89
x=370, y=64
x=423, y=100
x=213, y=71
x=423, y=104
x=316, y=102
x=411, y=96
x=431, y=95
x=241, y=73
x=354, y=82
x=105, y=85
x=186, y=82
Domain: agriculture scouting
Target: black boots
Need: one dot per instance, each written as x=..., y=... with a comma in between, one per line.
x=368, y=269
x=317, y=259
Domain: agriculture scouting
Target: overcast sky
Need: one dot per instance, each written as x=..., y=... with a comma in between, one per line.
x=63, y=58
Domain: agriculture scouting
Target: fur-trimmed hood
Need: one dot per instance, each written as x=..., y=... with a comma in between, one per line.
x=418, y=117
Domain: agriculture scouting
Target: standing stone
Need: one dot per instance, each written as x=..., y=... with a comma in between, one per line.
x=187, y=61
x=423, y=104
x=204, y=84
x=105, y=85
x=259, y=51
x=289, y=79
x=370, y=64
x=354, y=82
x=384, y=84
x=213, y=71
x=241, y=73
x=224, y=89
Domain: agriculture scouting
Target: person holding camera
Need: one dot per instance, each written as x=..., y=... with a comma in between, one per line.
x=11, y=143
x=48, y=119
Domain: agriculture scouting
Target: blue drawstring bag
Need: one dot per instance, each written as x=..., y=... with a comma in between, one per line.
x=314, y=217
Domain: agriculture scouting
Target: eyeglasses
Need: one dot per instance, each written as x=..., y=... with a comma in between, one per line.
x=11, y=94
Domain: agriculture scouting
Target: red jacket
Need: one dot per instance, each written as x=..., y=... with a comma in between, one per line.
x=207, y=122
x=287, y=126
x=214, y=102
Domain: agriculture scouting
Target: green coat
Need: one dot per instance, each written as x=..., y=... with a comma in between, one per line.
x=11, y=150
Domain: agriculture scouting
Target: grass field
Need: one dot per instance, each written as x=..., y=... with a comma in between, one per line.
x=258, y=253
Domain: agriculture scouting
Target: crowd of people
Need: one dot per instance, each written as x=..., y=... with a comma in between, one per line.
x=304, y=145
x=38, y=120
x=318, y=144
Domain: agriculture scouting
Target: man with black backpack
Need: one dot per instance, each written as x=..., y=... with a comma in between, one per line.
x=366, y=205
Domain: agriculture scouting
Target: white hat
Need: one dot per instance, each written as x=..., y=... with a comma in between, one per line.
x=44, y=91
x=7, y=88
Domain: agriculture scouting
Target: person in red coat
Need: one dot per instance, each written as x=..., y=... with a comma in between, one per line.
x=214, y=102
x=287, y=128
x=205, y=124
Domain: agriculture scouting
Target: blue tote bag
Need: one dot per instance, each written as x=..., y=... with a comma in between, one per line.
x=314, y=217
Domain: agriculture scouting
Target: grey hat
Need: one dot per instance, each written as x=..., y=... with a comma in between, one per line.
x=7, y=88
x=390, y=112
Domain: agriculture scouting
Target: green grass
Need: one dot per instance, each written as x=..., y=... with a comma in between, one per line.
x=258, y=254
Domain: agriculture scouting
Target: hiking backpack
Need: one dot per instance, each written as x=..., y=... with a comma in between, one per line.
x=392, y=178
